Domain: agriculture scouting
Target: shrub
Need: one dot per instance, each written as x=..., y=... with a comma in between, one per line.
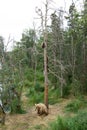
x=37, y=98
x=75, y=87
x=78, y=122
x=74, y=105
x=16, y=107
x=34, y=97
x=38, y=87
x=53, y=96
x=59, y=124
x=66, y=90
x=39, y=76
x=27, y=83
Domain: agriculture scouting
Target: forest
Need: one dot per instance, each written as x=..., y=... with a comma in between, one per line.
x=49, y=66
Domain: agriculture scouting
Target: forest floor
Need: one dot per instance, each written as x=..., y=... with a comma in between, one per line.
x=30, y=120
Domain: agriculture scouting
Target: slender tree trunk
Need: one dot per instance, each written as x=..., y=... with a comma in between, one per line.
x=46, y=78
x=45, y=59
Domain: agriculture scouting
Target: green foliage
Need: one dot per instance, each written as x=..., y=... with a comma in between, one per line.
x=38, y=87
x=37, y=98
x=67, y=62
x=66, y=90
x=74, y=105
x=53, y=96
x=39, y=76
x=59, y=124
x=78, y=122
x=16, y=107
x=75, y=88
x=34, y=96
x=1, y=46
x=29, y=74
x=27, y=83
x=38, y=127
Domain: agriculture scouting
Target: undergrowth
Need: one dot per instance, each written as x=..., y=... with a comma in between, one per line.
x=76, y=104
x=36, y=95
x=78, y=122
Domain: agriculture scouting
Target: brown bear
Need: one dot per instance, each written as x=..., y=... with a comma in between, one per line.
x=41, y=109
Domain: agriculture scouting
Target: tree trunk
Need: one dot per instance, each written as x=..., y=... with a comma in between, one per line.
x=45, y=59
x=45, y=76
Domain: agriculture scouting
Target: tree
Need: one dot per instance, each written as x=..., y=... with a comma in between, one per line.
x=44, y=20
x=84, y=45
x=27, y=44
x=1, y=49
x=45, y=57
x=56, y=51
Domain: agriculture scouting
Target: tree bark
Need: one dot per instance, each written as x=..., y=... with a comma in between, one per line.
x=45, y=59
x=45, y=77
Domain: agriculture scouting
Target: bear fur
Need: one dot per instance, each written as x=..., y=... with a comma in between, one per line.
x=41, y=109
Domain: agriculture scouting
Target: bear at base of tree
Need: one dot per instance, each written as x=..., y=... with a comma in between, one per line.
x=41, y=109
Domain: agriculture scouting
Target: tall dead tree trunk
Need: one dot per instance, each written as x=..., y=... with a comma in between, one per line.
x=44, y=46
x=45, y=58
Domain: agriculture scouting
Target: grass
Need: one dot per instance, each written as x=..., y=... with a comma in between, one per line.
x=59, y=124
x=38, y=127
x=78, y=122
x=76, y=104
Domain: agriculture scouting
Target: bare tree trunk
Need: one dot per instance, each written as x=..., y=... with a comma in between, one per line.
x=44, y=31
x=46, y=78
x=45, y=58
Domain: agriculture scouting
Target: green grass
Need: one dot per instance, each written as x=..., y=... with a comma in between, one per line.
x=76, y=104
x=78, y=122
x=38, y=127
x=59, y=124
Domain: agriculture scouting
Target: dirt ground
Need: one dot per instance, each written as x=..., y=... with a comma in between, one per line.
x=31, y=121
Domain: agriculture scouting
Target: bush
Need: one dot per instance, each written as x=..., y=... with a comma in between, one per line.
x=75, y=87
x=37, y=98
x=79, y=122
x=16, y=107
x=39, y=76
x=66, y=90
x=59, y=124
x=34, y=97
x=74, y=105
x=53, y=96
x=27, y=83
x=29, y=74
x=38, y=87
